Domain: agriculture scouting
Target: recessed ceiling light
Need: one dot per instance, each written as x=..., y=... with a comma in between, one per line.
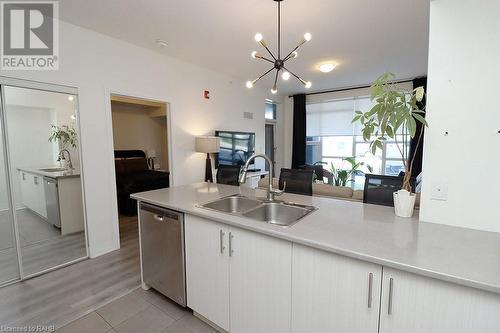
x=161, y=43
x=327, y=68
x=71, y=98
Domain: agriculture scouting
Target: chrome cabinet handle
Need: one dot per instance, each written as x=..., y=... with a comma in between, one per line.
x=231, y=251
x=391, y=287
x=370, y=290
x=221, y=239
x=24, y=176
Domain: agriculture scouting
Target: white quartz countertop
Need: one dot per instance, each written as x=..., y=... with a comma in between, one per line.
x=366, y=232
x=55, y=175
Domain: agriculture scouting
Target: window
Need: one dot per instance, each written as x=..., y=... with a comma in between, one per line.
x=331, y=135
x=270, y=110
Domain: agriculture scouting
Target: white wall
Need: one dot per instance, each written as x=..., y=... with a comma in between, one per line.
x=463, y=85
x=134, y=128
x=99, y=65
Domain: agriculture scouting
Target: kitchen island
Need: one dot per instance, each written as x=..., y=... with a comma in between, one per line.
x=347, y=266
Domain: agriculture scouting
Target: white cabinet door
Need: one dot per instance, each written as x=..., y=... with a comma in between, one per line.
x=26, y=180
x=332, y=293
x=418, y=304
x=207, y=269
x=39, y=203
x=260, y=280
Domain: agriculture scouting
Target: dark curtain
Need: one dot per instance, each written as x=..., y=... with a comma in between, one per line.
x=417, y=163
x=299, y=131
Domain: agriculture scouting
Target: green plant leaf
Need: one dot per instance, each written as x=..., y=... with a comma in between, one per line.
x=420, y=119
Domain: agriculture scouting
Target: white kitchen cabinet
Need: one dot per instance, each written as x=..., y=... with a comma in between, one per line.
x=332, y=293
x=207, y=269
x=417, y=304
x=238, y=279
x=33, y=193
x=260, y=282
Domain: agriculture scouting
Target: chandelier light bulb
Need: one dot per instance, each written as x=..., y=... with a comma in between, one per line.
x=308, y=84
x=249, y=84
x=307, y=36
x=258, y=37
x=274, y=90
x=285, y=76
x=295, y=54
x=71, y=98
x=254, y=54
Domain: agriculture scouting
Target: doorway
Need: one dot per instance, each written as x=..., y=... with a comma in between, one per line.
x=141, y=153
x=270, y=143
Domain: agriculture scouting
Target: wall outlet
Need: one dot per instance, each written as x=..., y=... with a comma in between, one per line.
x=439, y=191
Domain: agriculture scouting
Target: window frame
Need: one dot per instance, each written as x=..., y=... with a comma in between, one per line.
x=353, y=95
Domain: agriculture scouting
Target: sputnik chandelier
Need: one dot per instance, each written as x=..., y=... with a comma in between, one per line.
x=278, y=62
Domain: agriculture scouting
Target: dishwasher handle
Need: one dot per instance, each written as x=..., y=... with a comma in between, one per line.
x=161, y=214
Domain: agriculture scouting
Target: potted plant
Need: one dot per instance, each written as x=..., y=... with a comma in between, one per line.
x=395, y=115
x=343, y=175
x=65, y=136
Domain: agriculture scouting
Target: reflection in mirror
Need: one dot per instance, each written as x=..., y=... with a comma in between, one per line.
x=9, y=263
x=45, y=169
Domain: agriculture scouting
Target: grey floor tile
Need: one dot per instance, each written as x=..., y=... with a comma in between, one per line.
x=91, y=323
x=196, y=325
x=163, y=303
x=150, y=320
x=123, y=308
x=177, y=327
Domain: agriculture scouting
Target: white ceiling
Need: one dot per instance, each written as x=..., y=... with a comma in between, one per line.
x=365, y=37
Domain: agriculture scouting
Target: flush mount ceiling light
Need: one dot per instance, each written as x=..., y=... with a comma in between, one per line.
x=277, y=61
x=327, y=68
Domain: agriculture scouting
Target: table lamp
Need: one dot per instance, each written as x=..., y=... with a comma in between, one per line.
x=208, y=145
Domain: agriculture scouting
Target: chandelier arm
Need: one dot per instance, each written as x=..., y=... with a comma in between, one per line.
x=296, y=76
x=295, y=49
x=264, y=58
x=268, y=51
x=276, y=78
x=260, y=77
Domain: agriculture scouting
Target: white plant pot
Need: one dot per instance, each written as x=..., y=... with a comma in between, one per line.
x=404, y=203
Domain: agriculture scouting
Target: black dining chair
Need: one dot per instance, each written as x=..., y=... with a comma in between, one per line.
x=317, y=169
x=297, y=181
x=379, y=189
x=228, y=174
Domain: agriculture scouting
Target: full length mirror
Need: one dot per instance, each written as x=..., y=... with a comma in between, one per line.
x=44, y=159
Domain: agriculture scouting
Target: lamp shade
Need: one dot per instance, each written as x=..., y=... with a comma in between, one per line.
x=207, y=144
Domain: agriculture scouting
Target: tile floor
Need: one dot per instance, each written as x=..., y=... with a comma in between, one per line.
x=139, y=312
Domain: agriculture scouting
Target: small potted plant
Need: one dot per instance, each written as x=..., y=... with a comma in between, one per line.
x=342, y=175
x=66, y=137
x=395, y=115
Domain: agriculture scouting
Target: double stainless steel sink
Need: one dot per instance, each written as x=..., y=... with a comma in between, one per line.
x=273, y=212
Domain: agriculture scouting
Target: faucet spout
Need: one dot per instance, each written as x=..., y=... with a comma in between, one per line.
x=62, y=157
x=270, y=191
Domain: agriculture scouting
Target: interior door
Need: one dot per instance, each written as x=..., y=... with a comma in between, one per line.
x=270, y=145
x=9, y=262
x=41, y=133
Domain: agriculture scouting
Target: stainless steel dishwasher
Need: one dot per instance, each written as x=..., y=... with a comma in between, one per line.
x=162, y=255
x=52, y=201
